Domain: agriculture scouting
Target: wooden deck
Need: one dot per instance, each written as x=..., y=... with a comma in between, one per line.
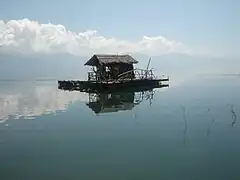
x=98, y=86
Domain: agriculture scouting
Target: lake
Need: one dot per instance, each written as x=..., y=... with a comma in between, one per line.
x=189, y=130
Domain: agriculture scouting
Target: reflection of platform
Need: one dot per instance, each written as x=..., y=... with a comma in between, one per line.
x=117, y=101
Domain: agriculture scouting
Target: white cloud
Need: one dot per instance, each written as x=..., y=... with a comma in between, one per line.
x=43, y=99
x=28, y=36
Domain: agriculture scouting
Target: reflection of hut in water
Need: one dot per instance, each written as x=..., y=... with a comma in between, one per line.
x=103, y=103
x=122, y=101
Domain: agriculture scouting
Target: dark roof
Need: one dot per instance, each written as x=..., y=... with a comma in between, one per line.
x=105, y=59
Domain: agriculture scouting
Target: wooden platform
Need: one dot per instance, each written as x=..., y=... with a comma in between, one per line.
x=96, y=86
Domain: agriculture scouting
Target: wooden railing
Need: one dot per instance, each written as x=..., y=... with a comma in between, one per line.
x=132, y=74
x=138, y=73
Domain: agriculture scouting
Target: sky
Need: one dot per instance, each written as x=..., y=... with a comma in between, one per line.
x=153, y=27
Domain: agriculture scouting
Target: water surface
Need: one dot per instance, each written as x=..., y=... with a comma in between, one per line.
x=187, y=131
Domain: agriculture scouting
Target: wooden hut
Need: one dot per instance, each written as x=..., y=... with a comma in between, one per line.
x=110, y=67
x=111, y=72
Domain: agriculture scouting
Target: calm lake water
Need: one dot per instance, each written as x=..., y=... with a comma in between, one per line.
x=189, y=131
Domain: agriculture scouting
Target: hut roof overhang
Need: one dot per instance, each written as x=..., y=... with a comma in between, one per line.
x=107, y=59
